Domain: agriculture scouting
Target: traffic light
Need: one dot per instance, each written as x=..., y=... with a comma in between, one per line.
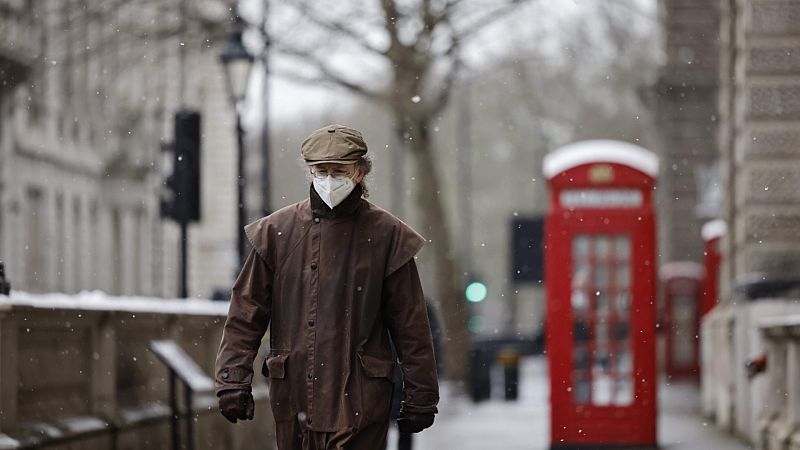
x=5, y=286
x=476, y=292
x=476, y=323
x=181, y=202
x=527, y=251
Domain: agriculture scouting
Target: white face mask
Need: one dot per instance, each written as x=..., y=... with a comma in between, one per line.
x=333, y=190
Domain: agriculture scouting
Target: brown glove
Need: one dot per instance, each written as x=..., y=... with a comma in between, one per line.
x=237, y=404
x=414, y=422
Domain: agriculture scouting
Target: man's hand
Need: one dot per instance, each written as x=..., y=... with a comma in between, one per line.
x=237, y=404
x=414, y=422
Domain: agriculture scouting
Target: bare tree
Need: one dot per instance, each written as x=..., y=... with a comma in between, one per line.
x=419, y=44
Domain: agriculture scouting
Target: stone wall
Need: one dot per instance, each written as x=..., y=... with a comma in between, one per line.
x=759, y=100
x=687, y=118
x=763, y=81
x=77, y=373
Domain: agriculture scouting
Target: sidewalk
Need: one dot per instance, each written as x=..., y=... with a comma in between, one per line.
x=524, y=425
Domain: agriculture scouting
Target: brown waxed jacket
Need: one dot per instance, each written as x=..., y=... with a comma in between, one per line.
x=332, y=285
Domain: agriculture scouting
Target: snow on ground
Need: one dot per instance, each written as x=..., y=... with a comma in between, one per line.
x=496, y=424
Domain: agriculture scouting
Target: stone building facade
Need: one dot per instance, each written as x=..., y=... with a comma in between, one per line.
x=88, y=93
x=750, y=85
x=761, y=88
x=686, y=113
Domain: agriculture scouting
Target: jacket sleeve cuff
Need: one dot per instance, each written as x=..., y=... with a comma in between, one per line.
x=420, y=403
x=232, y=378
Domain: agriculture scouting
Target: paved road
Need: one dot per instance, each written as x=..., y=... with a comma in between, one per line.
x=524, y=425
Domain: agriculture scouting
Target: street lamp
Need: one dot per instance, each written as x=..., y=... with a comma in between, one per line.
x=237, y=63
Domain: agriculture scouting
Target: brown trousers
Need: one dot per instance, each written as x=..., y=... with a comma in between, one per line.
x=290, y=435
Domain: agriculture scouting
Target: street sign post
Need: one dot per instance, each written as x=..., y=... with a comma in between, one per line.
x=181, y=366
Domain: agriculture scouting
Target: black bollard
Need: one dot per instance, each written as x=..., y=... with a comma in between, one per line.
x=509, y=359
x=480, y=383
x=5, y=286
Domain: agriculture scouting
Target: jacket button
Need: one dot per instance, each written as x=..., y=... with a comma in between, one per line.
x=316, y=219
x=311, y=323
x=314, y=265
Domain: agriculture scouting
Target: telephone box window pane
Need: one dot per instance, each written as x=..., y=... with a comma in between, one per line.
x=621, y=332
x=580, y=302
x=580, y=247
x=683, y=338
x=601, y=276
x=624, y=361
x=601, y=334
x=601, y=360
x=580, y=276
x=601, y=247
x=622, y=247
x=623, y=303
x=581, y=332
x=602, y=387
x=581, y=391
x=601, y=304
x=623, y=276
x=624, y=394
x=580, y=359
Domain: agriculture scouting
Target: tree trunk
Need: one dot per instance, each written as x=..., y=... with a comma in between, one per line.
x=434, y=221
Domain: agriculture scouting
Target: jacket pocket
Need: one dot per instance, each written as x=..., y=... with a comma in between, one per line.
x=274, y=368
x=375, y=367
x=377, y=385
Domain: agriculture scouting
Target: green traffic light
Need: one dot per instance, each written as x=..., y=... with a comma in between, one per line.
x=476, y=324
x=476, y=292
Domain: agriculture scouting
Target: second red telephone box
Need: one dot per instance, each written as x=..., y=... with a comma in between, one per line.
x=682, y=283
x=600, y=279
x=712, y=233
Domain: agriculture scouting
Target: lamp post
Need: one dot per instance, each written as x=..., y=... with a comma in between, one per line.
x=266, y=208
x=237, y=63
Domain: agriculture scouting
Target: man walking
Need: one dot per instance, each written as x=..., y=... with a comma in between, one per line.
x=334, y=277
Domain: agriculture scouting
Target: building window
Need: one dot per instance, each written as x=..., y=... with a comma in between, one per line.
x=77, y=241
x=34, y=242
x=60, y=243
x=116, y=255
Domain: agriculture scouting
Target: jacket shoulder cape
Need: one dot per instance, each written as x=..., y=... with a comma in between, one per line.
x=288, y=226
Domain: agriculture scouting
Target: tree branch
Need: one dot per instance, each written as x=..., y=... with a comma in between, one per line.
x=431, y=19
x=392, y=15
x=327, y=73
x=335, y=27
x=473, y=28
x=450, y=78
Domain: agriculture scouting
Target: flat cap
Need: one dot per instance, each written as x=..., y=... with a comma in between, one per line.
x=333, y=144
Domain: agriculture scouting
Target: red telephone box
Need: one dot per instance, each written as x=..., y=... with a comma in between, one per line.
x=712, y=233
x=600, y=280
x=682, y=283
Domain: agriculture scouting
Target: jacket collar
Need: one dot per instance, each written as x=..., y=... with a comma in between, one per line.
x=348, y=207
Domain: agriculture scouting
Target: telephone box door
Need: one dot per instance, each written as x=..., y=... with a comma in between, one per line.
x=600, y=280
x=682, y=283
